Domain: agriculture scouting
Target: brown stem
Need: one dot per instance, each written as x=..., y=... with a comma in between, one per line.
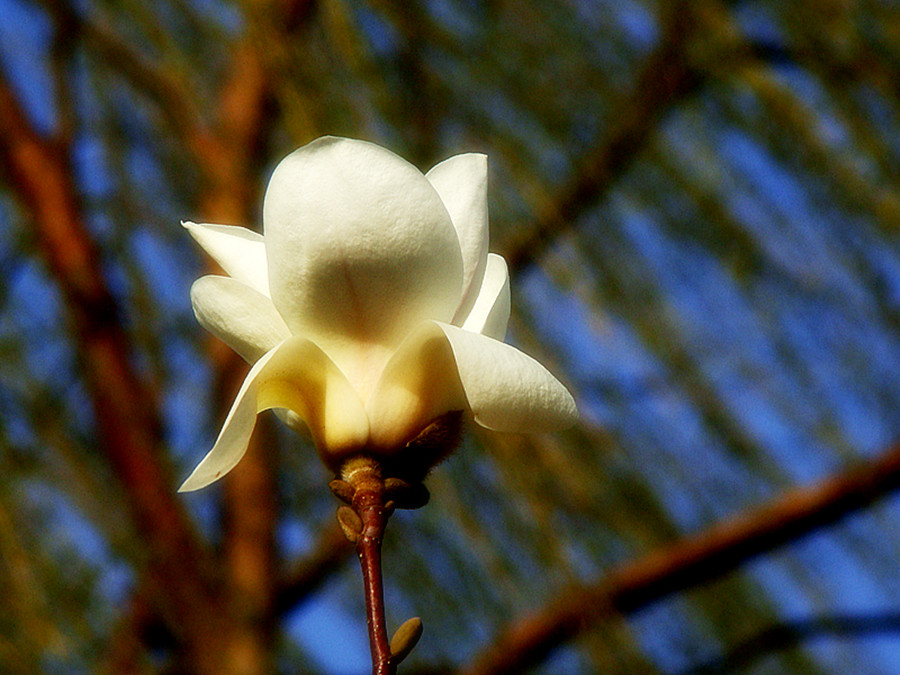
x=364, y=475
x=368, y=548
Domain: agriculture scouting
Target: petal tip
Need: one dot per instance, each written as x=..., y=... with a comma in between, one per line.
x=560, y=408
x=194, y=483
x=203, y=476
x=569, y=414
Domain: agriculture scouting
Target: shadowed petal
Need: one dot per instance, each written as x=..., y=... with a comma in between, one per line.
x=299, y=376
x=490, y=314
x=461, y=181
x=239, y=251
x=360, y=247
x=240, y=316
x=441, y=368
x=418, y=384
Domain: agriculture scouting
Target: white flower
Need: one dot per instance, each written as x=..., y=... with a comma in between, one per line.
x=370, y=308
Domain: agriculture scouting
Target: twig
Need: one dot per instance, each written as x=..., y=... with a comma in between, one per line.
x=171, y=94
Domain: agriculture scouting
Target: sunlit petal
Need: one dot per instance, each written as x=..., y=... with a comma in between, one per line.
x=441, y=368
x=299, y=376
x=239, y=251
x=507, y=390
x=240, y=316
x=360, y=246
x=490, y=314
x=461, y=181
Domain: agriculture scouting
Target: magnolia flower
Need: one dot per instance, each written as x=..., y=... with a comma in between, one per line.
x=369, y=309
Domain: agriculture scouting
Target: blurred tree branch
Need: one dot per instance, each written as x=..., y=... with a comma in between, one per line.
x=125, y=409
x=687, y=563
x=131, y=638
x=25, y=598
x=228, y=146
x=666, y=78
x=170, y=93
x=790, y=634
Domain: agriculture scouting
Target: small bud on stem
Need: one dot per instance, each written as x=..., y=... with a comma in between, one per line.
x=405, y=639
x=350, y=523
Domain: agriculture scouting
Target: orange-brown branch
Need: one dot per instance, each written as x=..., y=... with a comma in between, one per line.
x=125, y=409
x=688, y=563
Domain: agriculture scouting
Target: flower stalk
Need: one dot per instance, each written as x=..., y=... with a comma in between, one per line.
x=370, y=506
x=368, y=502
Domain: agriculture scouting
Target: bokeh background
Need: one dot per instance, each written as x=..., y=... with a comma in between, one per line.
x=700, y=205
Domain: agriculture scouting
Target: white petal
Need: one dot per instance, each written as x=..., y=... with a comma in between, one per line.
x=508, y=390
x=418, y=384
x=299, y=376
x=461, y=181
x=490, y=314
x=239, y=251
x=240, y=316
x=441, y=368
x=360, y=247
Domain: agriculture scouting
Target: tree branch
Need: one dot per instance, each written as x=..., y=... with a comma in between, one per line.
x=171, y=95
x=789, y=634
x=666, y=78
x=125, y=410
x=688, y=563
